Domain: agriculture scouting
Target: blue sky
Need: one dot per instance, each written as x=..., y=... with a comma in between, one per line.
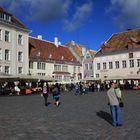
x=88, y=22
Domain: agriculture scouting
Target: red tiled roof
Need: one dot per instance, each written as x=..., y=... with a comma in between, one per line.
x=121, y=41
x=92, y=53
x=48, y=48
x=14, y=20
x=79, y=49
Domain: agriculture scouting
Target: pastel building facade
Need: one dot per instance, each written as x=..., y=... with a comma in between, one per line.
x=119, y=57
x=53, y=59
x=84, y=56
x=13, y=45
x=88, y=64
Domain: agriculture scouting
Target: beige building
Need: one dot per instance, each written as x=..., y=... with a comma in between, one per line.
x=119, y=57
x=84, y=56
x=54, y=60
x=13, y=45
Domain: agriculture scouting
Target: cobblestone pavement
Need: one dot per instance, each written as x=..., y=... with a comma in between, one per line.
x=82, y=117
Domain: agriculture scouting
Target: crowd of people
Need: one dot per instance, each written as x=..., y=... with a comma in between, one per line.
x=113, y=92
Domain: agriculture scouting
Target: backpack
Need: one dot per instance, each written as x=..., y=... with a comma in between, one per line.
x=45, y=90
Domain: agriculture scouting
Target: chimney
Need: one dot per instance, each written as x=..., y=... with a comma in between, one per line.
x=73, y=43
x=59, y=43
x=39, y=37
x=56, y=42
x=83, y=51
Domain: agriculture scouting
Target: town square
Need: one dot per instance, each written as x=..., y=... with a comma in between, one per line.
x=69, y=70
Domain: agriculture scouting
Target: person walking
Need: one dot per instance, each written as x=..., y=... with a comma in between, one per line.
x=56, y=94
x=76, y=89
x=114, y=106
x=45, y=93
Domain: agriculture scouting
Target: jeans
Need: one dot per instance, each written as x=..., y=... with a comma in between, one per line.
x=45, y=98
x=116, y=115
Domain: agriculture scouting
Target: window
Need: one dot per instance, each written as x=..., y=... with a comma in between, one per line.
x=97, y=75
x=79, y=70
x=124, y=64
x=131, y=63
x=7, y=55
x=98, y=66
x=50, y=56
x=7, y=36
x=62, y=57
x=110, y=65
x=7, y=18
x=0, y=34
x=20, y=39
x=90, y=66
x=117, y=64
x=57, y=67
x=31, y=65
x=2, y=15
x=20, y=70
x=41, y=74
x=7, y=69
x=0, y=68
x=104, y=66
x=20, y=57
x=0, y=54
x=64, y=68
x=74, y=69
x=87, y=56
x=41, y=65
x=59, y=78
x=86, y=66
x=130, y=55
x=138, y=62
x=66, y=78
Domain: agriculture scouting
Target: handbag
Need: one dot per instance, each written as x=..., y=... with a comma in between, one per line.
x=121, y=104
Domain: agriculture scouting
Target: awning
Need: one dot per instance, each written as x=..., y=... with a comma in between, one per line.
x=91, y=79
x=7, y=77
x=36, y=78
x=127, y=77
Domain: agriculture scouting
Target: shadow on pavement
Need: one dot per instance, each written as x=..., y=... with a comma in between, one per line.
x=104, y=115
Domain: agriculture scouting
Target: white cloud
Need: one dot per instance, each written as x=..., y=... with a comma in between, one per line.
x=126, y=13
x=38, y=10
x=80, y=17
x=45, y=11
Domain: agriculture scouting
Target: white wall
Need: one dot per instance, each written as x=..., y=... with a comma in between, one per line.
x=116, y=72
x=14, y=48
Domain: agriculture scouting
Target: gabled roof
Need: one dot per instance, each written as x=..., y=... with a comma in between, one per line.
x=92, y=53
x=78, y=48
x=47, y=49
x=14, y=20
x=121, y=41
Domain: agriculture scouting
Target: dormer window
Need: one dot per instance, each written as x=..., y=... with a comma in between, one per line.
x=87, y=56
x=50, y=56
x=62, y=58
x=5, y=16
x=72, y=59
x=2, y=15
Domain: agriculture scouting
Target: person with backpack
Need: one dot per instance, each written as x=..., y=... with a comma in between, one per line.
x=114, y=106
x=56, y=94
x=45, y=93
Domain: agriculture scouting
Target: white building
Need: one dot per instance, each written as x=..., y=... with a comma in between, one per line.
x=119, y=56
x=84, y=56
x=13, y=45
x=88, y=63
x=54, y=60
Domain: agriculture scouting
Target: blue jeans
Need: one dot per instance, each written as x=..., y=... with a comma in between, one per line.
x=116, y=115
